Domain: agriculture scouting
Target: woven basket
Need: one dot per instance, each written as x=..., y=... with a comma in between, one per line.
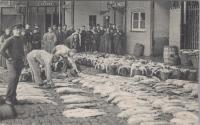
x=125, y=71
x=112, y=70
x=185, y=59
x=195, y=60
x=184, y=74
x=176, y=74
x=192, y=76
x=164, y=75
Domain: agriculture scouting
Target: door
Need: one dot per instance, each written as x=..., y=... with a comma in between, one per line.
x=48, y=21
x=92, y=20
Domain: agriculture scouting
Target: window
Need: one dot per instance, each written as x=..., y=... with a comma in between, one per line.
x=137, y=21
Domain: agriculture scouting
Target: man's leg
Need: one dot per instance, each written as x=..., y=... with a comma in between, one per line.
x=12, y=81
x=19, y=68
x=36, y=73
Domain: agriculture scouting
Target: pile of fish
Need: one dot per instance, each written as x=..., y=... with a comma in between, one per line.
x=76, y=104
x=130, y=66
x=147, y=101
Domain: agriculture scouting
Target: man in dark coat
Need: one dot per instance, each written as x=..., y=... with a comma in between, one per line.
x=60, y=36
x=3, y=38
x=36, y=39
x=64, y=29
x=27, y=37
x=83, y=38
x=13, y=50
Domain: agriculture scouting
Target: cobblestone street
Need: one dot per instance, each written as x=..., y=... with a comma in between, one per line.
x=133, y=104
x=34, y=111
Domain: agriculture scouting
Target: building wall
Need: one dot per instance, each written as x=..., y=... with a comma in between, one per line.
x=161, y=27
x=83, y=9
x=143, y=37
x=175, y=27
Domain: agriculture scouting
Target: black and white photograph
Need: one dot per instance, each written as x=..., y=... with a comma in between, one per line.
x=99, y=62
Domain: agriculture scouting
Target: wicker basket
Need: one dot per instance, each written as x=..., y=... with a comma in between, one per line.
x=195, y=60
x=164, y=75
x=185, y=59
x=192, y=76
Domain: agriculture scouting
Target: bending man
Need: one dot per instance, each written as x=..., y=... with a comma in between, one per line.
x=66, y=54
x=38, y=59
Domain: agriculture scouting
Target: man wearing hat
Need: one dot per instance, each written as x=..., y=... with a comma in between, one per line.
x=36, y=39
x=49, y=40
x=13, y=50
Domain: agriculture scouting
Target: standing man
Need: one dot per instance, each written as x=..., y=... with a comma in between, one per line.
x=64, y=29
x=60, y=36
x=5, y=36
x=27, y=37
x=36, y=39
x=83, y=38
x=13, y=50
x=49, y=40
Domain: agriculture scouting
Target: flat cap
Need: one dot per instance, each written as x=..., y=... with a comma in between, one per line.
x=18, y=26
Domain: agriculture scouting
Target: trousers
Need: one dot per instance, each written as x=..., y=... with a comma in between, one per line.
x=36, y=70
x=14, y=70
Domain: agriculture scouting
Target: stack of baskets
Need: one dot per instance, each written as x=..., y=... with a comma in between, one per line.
x=189, y=57
x=170, y=55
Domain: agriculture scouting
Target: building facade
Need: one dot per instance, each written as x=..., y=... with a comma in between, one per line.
x=153, y=23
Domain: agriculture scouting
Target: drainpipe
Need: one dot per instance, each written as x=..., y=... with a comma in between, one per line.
x=72, y=12
x=152, y=28
x=59, y=14
x=125, y=28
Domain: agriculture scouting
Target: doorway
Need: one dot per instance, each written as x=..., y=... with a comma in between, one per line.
x=92, y=20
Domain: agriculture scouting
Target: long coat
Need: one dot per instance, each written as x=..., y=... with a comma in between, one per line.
x=102, y=42
x=3, y=59
x=108, y=42
x=118, y=40
x=48, y=42
x=36, y=41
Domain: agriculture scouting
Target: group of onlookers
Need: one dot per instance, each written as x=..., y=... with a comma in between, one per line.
x=96, y=38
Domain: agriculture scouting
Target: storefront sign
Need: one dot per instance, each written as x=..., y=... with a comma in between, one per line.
x=43, y=3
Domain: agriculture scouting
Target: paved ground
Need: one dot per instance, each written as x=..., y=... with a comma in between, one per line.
x=45, y=107
x=34, y=111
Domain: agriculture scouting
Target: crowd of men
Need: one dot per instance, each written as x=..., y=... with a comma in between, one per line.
x=25, y=46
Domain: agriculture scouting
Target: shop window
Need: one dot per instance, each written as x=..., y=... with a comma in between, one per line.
x=137, y=21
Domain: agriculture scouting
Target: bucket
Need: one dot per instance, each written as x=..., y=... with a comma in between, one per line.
x=138, y=50
x=169, y=52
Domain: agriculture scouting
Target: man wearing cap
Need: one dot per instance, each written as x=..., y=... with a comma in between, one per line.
x=36, y=39
x=49, y=40
x=13, y=50
x=60, y=36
